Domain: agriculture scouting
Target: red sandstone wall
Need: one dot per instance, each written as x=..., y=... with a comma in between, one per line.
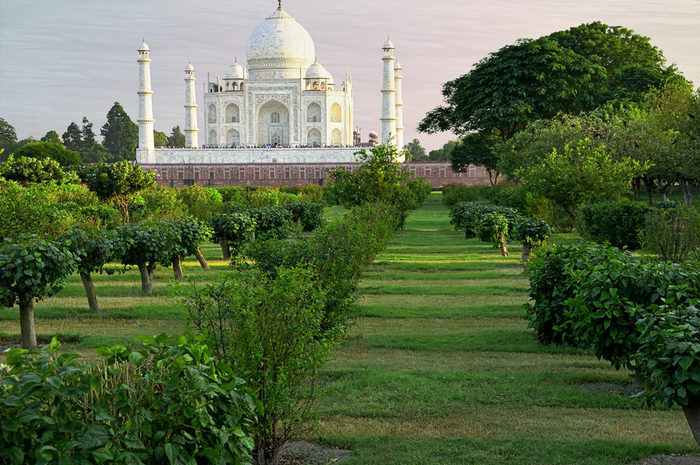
x=436, y=174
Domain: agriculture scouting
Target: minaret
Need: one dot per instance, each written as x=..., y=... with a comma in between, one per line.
x=388, y=95
x=146, y=144
x=191, y=131
x=399, y=105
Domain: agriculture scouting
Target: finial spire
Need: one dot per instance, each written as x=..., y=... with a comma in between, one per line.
x=280, y=4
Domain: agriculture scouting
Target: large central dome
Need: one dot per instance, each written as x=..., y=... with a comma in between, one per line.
x=280, y=43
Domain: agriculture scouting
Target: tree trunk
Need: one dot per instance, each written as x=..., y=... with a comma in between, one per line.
x=90, y=292
x=225, y=249
x=146, y=280
x=504, y=247
x=687, y=192
x=26, y=324
x=692, y=414
x=636, y=185
x=526, y=255
x=177, y=267
x=649, y=185
x=202, y=262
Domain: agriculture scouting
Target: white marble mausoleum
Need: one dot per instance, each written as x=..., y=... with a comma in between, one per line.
x=283, y=107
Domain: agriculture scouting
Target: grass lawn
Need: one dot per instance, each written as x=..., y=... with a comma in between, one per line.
x=439, y=368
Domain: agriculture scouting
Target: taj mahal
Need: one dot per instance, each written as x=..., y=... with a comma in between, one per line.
x=283, y=107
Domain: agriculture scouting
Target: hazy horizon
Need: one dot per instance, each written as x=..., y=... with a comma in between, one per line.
x=62, y=60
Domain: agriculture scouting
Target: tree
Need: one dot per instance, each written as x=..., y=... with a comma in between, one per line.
x=476, y=149
x=493, y=227
x=8, y=136
x=52, y=136
x=73, y=137
x=92, y=249
x=568, y=71
x=118, y=183
x=146, y=247
x=176, y=139
x=443, y=153
x=34, y=170
x=190, y=233
x=416, y=151
x=50, y=150
x=584, y=173
x=87, y=133
x=159, y=138
x=121, y=135
x=233, y=231
x=30, y=270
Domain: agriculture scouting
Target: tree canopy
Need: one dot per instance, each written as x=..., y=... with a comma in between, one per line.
x=176, y=138
x=52, y=150
x=567, y=72
x=417, y=152
x=121, y=134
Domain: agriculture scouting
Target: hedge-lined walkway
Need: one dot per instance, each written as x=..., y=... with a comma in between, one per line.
x=441, y=369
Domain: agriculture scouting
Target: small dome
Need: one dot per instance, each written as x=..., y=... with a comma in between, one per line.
x=388, y=45
x=144, y=47
x=318, y=71
x=280, y=43
x=189, y=67
x=235, y=71
x=373, y=135
x=398, y=66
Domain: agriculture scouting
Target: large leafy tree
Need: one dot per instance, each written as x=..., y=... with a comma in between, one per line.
x=73, y=137
x=121, y=134
x=52, y=150
x=476, y=149
x=416, y=151
x=52, y=136
x=566, y=72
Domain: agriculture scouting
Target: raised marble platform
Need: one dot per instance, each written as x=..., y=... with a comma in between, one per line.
x=214, y=156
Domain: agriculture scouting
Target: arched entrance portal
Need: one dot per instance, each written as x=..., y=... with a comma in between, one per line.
x=273, y=124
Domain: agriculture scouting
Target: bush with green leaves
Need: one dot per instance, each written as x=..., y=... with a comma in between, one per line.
x=452, y=194
x=32, y=269
x=271, y=222
x=93, y=249
x=673, y=233
x=493, y=228
x=190, y=234
x=232, y=231
x=31, y=170
x=160, y=204
x=118, y=183
x=146, y=247
x=339, y=252
x=668, y=356
x=617, y=223
x=307, y=215
x=378, y=179
x=269, y=327
x=200, y=202
x=532, y=234
x=466, y=216
x=49, y=151
x=168, y=402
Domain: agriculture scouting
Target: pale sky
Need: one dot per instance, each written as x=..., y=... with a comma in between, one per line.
x=61, y=60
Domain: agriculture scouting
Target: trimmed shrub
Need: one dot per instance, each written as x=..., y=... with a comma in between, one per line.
x=271, y=222
x=493, y=228
x=169, y=402
x=200, y=202
x=466, y=216
x=452, y=194
x=307, y=214
x=673, y=233
x=232, y=231
x=532, y=234
x=617, y=223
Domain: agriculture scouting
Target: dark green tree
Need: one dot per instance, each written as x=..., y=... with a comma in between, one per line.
x=88, y=133
x=176, y=138
x=31, y=269
x=52, y=136
x=416, y=151
x=54, y=151
x=443, y=153
x=476, y=149
x=121, y=134
x=73, y=137
x=159, y=138
x=8, y=137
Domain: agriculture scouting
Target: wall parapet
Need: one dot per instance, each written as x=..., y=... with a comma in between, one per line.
x=295, y=174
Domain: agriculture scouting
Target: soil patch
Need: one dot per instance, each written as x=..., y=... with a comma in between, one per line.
x=306, y=453
x=621, y=389
x=671, y=459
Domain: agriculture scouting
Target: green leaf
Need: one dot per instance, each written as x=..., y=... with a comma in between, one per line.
x=14, y=356
x=95, y=436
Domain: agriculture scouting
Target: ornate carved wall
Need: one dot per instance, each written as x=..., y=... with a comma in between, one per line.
x=436, y=174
